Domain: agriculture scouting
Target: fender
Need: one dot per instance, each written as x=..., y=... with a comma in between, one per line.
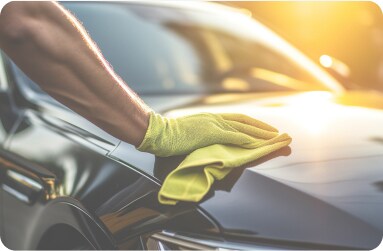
x=69, y=212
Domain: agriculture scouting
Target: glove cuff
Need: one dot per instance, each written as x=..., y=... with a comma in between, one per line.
x=148, y=144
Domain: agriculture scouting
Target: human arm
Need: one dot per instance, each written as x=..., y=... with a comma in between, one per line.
x=55, y=51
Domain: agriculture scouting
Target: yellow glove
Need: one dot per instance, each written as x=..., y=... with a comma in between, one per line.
x=192, y=179
x=178, y=136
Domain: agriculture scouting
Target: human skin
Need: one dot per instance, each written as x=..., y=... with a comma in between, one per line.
x=55, y=51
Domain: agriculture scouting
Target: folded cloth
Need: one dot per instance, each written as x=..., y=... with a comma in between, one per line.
x=178, y=136
x=192, y=179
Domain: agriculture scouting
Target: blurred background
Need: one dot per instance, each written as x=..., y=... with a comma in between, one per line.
x=345, y=37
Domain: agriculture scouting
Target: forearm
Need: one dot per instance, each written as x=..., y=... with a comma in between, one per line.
x=53, y=49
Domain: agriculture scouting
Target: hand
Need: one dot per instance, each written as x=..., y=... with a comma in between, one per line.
x=178, y=136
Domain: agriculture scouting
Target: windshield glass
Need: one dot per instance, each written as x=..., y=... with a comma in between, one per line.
x=160, y=50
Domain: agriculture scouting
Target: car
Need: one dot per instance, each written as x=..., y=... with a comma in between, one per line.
x=67, y=184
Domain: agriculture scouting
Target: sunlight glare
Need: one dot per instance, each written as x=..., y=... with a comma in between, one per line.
x=326, y=61
x=314, y=112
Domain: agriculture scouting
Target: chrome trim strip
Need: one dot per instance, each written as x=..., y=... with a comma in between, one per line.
x=3, y=77
x=15, y=193
x=181, y=242
x=193, y=243
x=34, y=185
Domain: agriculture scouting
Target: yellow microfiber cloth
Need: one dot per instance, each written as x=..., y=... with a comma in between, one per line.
x=178, y=136
x=192, y=179
x=215, y=144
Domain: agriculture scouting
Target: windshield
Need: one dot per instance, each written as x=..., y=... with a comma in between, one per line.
x=161, y=50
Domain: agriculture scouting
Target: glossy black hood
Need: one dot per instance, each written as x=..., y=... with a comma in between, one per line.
x=325, y=189
x=318, y=202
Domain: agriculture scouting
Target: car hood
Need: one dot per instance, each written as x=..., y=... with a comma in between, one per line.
x=326, y=188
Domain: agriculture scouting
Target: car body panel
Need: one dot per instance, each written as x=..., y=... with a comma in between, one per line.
x=79, y=181
x=326, y=187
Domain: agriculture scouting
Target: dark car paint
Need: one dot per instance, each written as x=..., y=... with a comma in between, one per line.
x=80, y=184
x=325, y=190
x=108, y=187
x=83, y=187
